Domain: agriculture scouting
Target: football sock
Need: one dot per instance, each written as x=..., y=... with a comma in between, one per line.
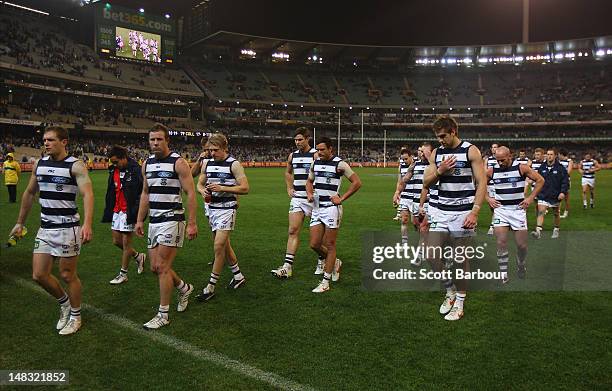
x=449, y=286
x=502, y=260
x=182, y=287
x=123, y=272
x=236, y=271
x=326, y=278
x=212, y=282
x=163, y=311
x=63, y=300
x=404, y=231
x=288, y=261
x=459, y=299
x=75, y=313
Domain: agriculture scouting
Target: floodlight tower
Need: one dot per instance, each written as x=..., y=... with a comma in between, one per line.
x=525, y=21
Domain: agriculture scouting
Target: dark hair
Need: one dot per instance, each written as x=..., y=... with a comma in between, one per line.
x=427, y=144
x=405, y=150
x=552, y=149
x=563, y=151
x=445, y=123
x=62, y=133
x=303, y=131
x=160, y=128
x=325, y=140
x=117, y=151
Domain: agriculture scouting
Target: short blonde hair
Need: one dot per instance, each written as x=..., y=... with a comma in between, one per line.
x=218, y=140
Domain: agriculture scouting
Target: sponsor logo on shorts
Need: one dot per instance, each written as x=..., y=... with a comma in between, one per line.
x=36, y=244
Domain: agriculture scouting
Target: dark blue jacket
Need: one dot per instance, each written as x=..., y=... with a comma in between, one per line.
x=132, y=188
x=555, y=182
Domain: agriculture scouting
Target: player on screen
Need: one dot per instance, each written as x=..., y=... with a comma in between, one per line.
x=120, y=44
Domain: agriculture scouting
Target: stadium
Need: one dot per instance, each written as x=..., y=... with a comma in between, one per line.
x=533, y=79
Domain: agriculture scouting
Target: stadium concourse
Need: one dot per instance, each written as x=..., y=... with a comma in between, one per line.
x=113, y=76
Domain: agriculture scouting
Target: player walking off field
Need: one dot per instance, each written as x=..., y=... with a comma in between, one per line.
x=167, y=175
x=588, y=167
x=58, y=178
x=296, y=175
x=221, y=181
x=556, y=186
x=457, y=167
x=122, y=200
x=324, y=180
x=509, y=206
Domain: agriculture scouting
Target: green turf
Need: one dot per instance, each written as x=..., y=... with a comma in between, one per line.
x=345, y=339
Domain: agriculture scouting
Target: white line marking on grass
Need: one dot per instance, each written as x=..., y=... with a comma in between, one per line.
x=182, y=346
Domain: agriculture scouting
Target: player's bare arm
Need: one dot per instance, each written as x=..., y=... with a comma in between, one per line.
x=289, y=176
x=186, y=180
x=27, y=199
x=83, y=181
x=143, y=209
x=539, y=183
x=480, y=181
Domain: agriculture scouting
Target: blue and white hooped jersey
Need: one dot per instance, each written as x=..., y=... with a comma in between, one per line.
x=58, y=192
x=165, y=201
x=300, y=163
x=456, y=189
x=403, y=170
x=586, y=166
x=417, y=175
x=327, y=180
x=509, y=184
x=220, y=172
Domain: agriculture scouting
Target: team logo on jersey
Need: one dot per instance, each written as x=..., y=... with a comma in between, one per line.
x=59, y=187
x=59, y=179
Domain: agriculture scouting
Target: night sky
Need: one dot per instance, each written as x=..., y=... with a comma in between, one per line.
x=387, y=22
x=408, y=22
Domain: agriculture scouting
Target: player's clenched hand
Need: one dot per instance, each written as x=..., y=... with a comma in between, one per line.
x=447, y=164
x=396, y=199
x=470, y=221
x=290, y=193
x=86, y=234
x=561, y=196
x=192, y=231
x=139, y=229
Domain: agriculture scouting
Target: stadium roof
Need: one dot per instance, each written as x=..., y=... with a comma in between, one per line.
x=265, y=46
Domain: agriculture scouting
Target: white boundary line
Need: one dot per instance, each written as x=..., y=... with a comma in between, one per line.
x=184, y=347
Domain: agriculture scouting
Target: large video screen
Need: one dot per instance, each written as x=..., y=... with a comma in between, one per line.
x=137, y=45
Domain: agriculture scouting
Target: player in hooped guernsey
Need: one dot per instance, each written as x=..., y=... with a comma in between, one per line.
x=509, y=206
x=457, y=167
x=222, y=181
x=568, y=164
x=58, y=178
x=167, y=175
x=490, y=163
x=322, y=187
x=588, y=167
x=296, y=175
x=402, y=196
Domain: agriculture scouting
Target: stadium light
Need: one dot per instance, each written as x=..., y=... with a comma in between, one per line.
x=350, y=107
x=141, y=10
x=237, y=102
x=600, y=53
x=522, y=107
x=450, y=108
x=220, y=101
x=416, y=109
x=26, y=8
x=167, y=16
x=402, y=109
x=469, y=108
x=302, y=106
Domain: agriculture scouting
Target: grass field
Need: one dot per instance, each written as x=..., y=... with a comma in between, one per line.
x=283, y=336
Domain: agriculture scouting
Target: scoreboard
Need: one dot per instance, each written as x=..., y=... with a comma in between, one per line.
x=129, y=33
